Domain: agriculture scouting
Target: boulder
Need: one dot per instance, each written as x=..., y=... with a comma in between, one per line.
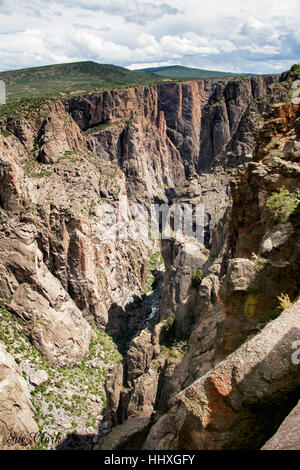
x=38, y=377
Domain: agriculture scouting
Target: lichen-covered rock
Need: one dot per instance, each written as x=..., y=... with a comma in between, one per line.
x=239, y=403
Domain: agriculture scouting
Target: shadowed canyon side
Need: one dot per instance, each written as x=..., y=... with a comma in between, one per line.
x=72, y=293
x=204, y=317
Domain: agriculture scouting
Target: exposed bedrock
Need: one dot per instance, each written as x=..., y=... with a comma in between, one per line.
x=240, y=403
x=198, y=118
x=287, y=436
x=252, y=262
x=60, y=262
x=67, y=168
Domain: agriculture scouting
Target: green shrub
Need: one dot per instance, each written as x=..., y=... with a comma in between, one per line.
x=284, y=301
x=170, y=321
x=295, y=68
x=281, y=205
x=197, y=277
x=5, y=133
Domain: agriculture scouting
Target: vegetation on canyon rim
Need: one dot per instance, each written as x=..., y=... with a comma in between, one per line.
x=87, y=77
x=68, y=79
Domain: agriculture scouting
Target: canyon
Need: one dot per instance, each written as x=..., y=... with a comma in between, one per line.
x=146, y=341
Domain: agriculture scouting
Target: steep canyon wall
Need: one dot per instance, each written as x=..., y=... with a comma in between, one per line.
x=63, y=162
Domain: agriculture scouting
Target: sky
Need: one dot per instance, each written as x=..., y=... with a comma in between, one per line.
x=258, y=36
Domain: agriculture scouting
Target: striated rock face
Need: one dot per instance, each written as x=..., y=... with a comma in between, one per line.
x=59, y=262
x=181, y=301
x=144, y=153
x=69, y=170
x=222, y=115
x=198, y=118
x=240, y=402
x=17, y=424
x=265, y=252
x=251, y=262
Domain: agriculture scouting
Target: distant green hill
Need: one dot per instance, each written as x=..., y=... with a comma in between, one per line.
x=179, y=71
x=55, y=80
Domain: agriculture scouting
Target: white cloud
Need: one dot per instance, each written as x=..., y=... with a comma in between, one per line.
x=262, y=36
x=133, y=11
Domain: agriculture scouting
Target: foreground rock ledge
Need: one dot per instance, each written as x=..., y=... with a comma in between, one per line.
x=242, y=401
x=288, y=435
x=16, y=411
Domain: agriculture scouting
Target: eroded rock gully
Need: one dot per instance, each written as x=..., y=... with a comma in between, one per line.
x=66, y=164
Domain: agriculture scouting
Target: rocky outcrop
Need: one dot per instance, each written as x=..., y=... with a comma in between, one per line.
x=17, y=424
x=182, y=260
x=38, y=377
x=59, y=260
x=11, y=176
x=264, y=252
x=242, y=400
x=54, y=325
x=45, y=126
x=238, y=291
x=127, y=436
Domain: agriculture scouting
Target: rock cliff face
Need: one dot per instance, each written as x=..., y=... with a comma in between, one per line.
x=239, y=290
x=53, y=252
x=228, y=407
x=74, y=260
x=198, y=118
